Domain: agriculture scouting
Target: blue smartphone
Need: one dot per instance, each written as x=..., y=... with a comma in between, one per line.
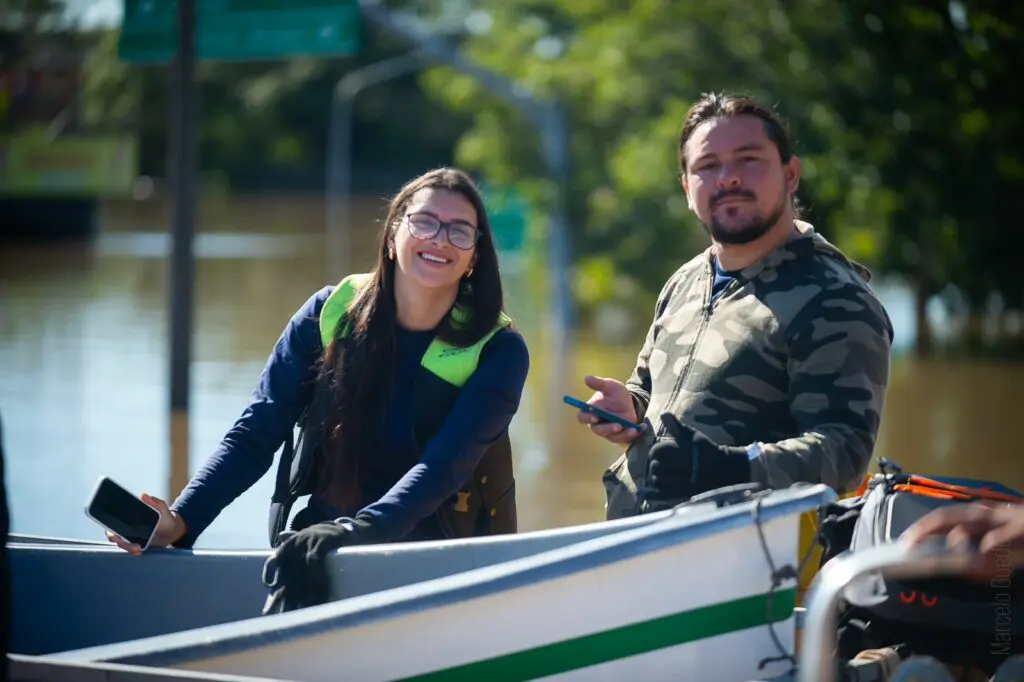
x=603, y=415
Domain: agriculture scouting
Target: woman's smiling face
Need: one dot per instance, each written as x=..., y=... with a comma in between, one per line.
x=424, y=251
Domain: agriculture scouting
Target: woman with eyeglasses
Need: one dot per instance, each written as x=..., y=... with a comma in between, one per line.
x=403, y=382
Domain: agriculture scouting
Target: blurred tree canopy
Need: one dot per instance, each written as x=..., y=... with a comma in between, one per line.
x=907, y=117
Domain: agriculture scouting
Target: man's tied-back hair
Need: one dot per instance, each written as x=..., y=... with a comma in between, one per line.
x=718, y=105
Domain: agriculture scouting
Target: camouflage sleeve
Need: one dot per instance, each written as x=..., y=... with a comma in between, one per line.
x=839, y=355
x=639, y=384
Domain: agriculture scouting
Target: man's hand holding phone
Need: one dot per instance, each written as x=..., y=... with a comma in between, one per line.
x=611, y=396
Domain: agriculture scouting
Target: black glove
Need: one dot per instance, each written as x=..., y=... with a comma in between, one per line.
x=689, y=463
x=296, y=573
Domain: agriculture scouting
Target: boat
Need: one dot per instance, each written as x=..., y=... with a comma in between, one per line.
x=704, y=591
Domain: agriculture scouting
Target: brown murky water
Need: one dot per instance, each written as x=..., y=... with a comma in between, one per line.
x=83, y=373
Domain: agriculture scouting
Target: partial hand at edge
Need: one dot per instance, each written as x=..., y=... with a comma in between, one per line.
x=998, y=532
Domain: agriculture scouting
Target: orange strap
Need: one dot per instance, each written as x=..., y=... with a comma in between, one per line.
x=928, y=491
x=966, y=492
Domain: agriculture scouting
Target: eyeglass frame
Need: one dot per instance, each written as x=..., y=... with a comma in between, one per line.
x=442, y=225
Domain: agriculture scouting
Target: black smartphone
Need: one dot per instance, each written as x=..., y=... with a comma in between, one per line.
x=122, y=513
x=603, y=415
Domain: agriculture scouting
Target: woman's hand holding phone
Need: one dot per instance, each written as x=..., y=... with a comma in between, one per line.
x=169, y=529
x=612, y=396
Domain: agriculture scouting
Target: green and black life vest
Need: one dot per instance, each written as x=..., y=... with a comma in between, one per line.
x=485, y=505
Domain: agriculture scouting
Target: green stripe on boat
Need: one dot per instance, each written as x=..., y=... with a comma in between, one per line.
x=622, y=642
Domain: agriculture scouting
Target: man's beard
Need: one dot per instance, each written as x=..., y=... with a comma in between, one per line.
x=757, y=227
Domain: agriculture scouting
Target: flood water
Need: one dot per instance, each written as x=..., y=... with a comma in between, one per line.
x=84, y=377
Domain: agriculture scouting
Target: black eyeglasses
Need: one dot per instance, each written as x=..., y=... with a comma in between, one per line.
x=426, y=226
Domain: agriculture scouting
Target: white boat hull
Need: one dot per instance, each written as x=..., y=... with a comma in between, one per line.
x=685, y=597
x=698, y=607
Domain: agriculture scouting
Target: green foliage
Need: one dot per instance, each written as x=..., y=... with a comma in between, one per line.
x=946, y=124
x=112, y=91
x=627, y=73
x=891, y=107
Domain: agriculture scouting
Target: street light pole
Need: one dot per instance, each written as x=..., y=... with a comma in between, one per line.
x=556, y=153
x=338, y=226
x=182, y=270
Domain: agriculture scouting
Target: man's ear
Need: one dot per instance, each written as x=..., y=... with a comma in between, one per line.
x=686, y=191
x=792, y=171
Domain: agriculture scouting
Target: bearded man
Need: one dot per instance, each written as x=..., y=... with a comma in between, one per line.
x=768, y=357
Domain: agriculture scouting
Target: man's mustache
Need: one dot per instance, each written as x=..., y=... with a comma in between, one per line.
x=740, y=193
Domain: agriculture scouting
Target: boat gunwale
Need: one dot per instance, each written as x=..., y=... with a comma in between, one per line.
x=59, y=543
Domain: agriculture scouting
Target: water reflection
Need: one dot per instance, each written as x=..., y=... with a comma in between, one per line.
x=83, y=391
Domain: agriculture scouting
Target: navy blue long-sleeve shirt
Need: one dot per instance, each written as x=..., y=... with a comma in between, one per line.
x=404, y=486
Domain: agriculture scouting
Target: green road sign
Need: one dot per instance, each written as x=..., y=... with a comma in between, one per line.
x=241, y=30
x=508, y=212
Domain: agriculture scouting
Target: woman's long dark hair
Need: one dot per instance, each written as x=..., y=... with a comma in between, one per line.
x=359, y=366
